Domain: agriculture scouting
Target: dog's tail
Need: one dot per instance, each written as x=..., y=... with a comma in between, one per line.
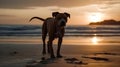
x=36, y=18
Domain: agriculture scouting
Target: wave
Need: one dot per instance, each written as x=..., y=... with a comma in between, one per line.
x=35, y=30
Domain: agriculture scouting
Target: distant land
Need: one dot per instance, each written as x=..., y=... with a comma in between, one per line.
x=106, y=22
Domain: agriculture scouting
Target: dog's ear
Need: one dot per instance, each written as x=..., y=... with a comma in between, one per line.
x=67, y=14
x=54, y=14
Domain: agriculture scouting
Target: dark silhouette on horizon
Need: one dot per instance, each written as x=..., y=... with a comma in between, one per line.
x=106, y=22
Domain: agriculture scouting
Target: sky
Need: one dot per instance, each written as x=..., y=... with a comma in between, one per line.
x=82, y=11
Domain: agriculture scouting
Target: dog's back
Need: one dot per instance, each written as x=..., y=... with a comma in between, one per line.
x=50, y=26
x=50, y=22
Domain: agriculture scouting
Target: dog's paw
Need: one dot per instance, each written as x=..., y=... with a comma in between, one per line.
x=59, y=56
x=52, y=56
x=44, y=52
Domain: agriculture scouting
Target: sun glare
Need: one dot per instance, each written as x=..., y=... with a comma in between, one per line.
x=95, y=40
x=95, y=17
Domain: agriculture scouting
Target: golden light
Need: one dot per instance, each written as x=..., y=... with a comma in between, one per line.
x=95, y=40
x=95, y=17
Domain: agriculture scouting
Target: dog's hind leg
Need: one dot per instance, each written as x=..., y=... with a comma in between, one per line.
x=44, y=34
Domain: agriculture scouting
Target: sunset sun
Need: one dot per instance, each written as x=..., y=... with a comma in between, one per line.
x=95, y=17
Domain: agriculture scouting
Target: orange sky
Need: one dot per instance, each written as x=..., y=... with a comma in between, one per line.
x=82, y=11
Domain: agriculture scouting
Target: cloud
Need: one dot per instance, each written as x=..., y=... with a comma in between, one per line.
x=110, y=2
x=106, y=4
x=54, y=8
x=2, y=15
x=22, y=4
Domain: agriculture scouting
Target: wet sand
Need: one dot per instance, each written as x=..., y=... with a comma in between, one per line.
x=29, y=55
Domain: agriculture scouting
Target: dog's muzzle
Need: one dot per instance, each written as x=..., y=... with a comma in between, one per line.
x=62, y=23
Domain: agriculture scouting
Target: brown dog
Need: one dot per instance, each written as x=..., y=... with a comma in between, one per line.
x=54, y=26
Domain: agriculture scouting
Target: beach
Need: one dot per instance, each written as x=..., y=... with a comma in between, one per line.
x=21, y=46
x=27, y=55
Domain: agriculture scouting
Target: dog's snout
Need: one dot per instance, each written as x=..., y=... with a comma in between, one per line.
x=62, y=23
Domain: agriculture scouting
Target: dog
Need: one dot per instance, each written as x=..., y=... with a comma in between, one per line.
x=55, y=28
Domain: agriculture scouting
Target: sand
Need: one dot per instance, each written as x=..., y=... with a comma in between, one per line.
x=29, y=55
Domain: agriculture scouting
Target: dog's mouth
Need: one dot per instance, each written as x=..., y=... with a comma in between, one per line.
x=60, y=27
x=63, y=24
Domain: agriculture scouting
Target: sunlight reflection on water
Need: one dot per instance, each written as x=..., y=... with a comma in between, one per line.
x=92, y=40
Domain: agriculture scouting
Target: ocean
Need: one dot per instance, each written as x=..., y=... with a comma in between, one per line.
x=81, y=30
x=80, y=34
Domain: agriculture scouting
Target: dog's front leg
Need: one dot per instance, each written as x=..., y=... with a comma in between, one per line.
x=59, y=46
x=51, y=48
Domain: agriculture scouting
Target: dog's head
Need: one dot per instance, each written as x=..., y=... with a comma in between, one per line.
x=61, y=18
